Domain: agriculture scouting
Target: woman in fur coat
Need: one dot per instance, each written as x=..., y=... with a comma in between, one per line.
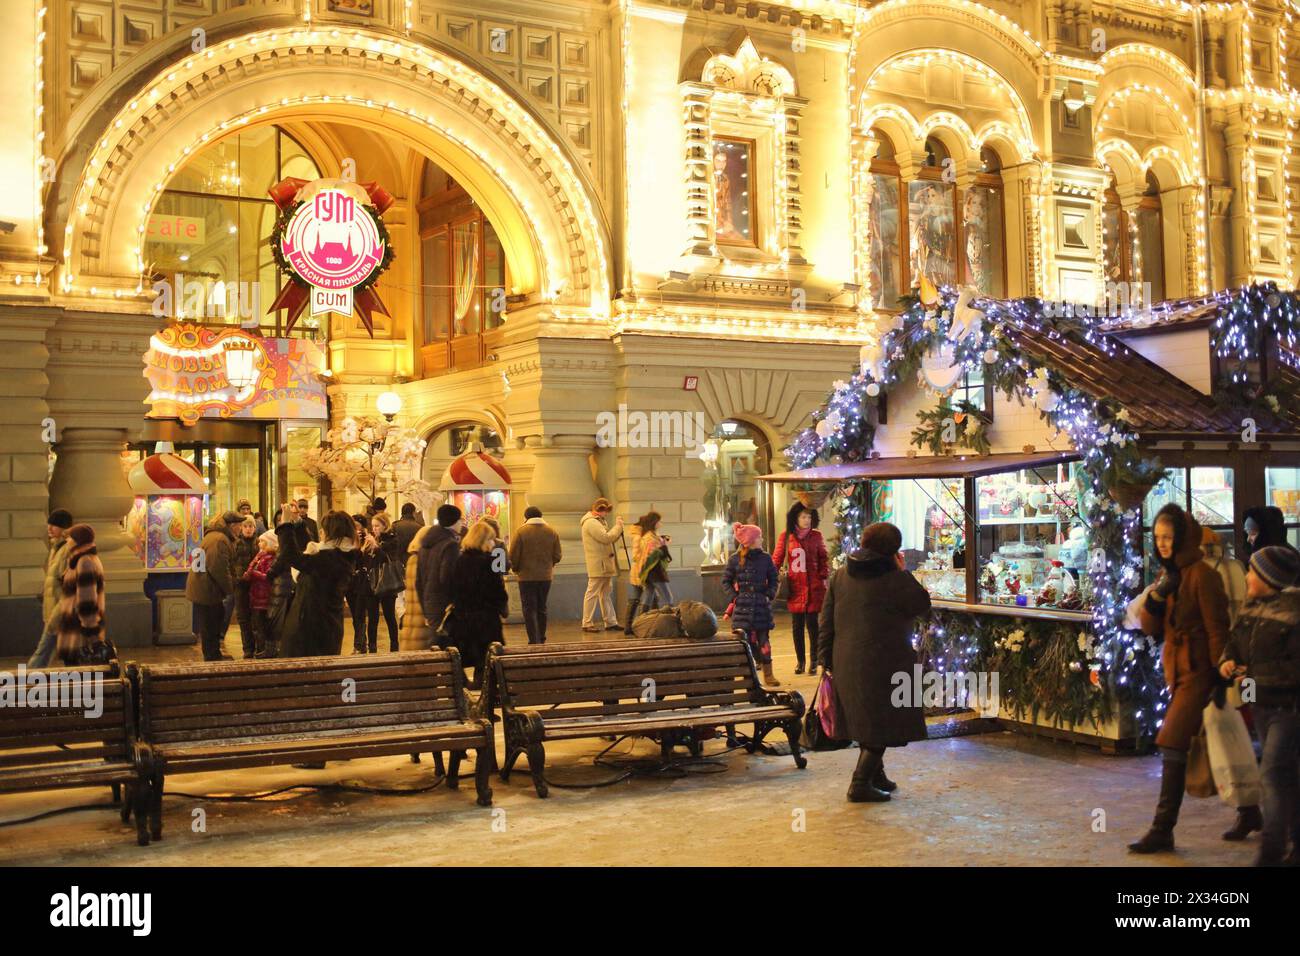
x=82, y=636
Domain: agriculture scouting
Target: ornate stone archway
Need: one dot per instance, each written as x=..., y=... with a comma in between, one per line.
x=554, y=235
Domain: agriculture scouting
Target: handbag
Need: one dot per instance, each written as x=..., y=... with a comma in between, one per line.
x=782, y=575
x=1231, y=756
x=1200, y=778
x=821, y=724
x=441, y=636
x=386, y=578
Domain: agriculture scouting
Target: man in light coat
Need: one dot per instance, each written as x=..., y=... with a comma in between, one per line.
x=602, y=566
x=56, y=563
x=534, y=553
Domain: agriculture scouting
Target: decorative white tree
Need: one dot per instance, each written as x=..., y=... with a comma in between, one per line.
x=368, y=455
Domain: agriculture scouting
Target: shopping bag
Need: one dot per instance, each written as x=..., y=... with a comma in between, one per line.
x=821, y=724
x=1200, y=778
x=1131, y=619
x=1232, y=758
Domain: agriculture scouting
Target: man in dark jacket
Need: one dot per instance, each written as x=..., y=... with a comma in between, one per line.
x=211, y=580
x=865, y=639
x=1265, y=648
x=308, y=522
x=405, y=528
x=437, y=558
x=534, y=553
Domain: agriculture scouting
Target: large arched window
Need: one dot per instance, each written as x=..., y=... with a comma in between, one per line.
x=211, y=224
x=947, y=249
x=463, y=276
x=1134, y=245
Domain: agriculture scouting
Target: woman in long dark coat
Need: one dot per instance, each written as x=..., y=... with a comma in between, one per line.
x=314, y=627
x=478, y=598
x=1188, y=610
x=865, y=638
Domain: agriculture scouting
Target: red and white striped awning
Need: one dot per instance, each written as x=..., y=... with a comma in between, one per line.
x=166, y=475
x=475, y=471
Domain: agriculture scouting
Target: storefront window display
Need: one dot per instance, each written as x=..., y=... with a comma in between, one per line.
x=931, y=515
x=1282, y=489
x=734, y=456
x=1206, y=493
x=1033, y=540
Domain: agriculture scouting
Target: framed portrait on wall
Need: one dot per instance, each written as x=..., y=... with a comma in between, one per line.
x=733, y=190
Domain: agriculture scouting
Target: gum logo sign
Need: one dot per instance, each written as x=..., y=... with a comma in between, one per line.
x=333, y=244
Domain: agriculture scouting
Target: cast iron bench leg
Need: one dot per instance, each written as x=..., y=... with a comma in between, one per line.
x=537, y=767
x=453, y=769
x=438, y=767
x=125, y=809
x=117, y=792
x=139, y=793
x=792, y=728
x=512, y=754
x=155, y=806
x=483, y=761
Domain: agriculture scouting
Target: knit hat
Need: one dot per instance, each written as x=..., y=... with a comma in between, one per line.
x=270, y=539
x=60, y=519
x=84, y=534
x=1277, y=565
x=448, y=515
x=747, y=535
x=882, y=539
x=379, y=504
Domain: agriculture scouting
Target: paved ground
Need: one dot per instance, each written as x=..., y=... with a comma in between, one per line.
x=990, y=800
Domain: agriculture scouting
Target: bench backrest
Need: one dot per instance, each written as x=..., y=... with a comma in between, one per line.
x=628, y=677
x=58, y=716
x=299, y=696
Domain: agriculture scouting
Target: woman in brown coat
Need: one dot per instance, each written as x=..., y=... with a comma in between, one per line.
x=865, y=638
x=415, y=635
x=1188, y=609
x=82, y=638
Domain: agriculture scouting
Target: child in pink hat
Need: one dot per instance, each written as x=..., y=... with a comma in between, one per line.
x=752, y=575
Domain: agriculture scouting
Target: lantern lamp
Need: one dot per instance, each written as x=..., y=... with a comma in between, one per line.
x=389, y=404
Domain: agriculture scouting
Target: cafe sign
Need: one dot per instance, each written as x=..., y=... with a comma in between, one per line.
x=202, y=372
x=331, y=243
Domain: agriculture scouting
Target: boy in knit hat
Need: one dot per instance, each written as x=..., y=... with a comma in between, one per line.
x=1265, y=648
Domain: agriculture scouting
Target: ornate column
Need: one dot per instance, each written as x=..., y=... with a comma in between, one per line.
x=24, y=464
x=563, y=487
x=1027, y=191
x=696, y=105
x=96, y=398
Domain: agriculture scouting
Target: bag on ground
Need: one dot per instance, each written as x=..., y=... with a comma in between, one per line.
x=1232, y=758
x=697, y=619
x=1200, y=778
x=659, y=623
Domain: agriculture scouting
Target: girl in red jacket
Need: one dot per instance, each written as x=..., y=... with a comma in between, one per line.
x=801, y=553
x=259, y=589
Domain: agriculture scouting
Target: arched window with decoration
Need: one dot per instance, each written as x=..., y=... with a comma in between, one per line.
x=932, y=233
x=982, y=225
x=931, y=239
x=1133, y=245
x=886, y=264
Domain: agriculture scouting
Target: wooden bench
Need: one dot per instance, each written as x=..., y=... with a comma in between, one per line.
x=570, y=691
x=214, y=716
x=81, y=734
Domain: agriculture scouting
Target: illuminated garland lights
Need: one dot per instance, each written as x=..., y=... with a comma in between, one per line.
x=1124, y=661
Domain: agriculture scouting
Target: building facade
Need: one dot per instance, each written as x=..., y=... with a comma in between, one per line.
x=636, y=242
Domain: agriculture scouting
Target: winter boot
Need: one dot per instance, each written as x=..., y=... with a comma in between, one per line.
x=861, y=789
x=631, y=616
x=769, y=679
x=880, y=781
x=1173, y=780
x=1249, y=819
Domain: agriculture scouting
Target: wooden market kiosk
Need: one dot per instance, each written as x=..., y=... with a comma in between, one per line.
x=1003, y=537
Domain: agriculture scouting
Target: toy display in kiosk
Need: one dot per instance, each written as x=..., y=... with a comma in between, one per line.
x=166, y=520
x=1033, y=547
x=478, y=485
